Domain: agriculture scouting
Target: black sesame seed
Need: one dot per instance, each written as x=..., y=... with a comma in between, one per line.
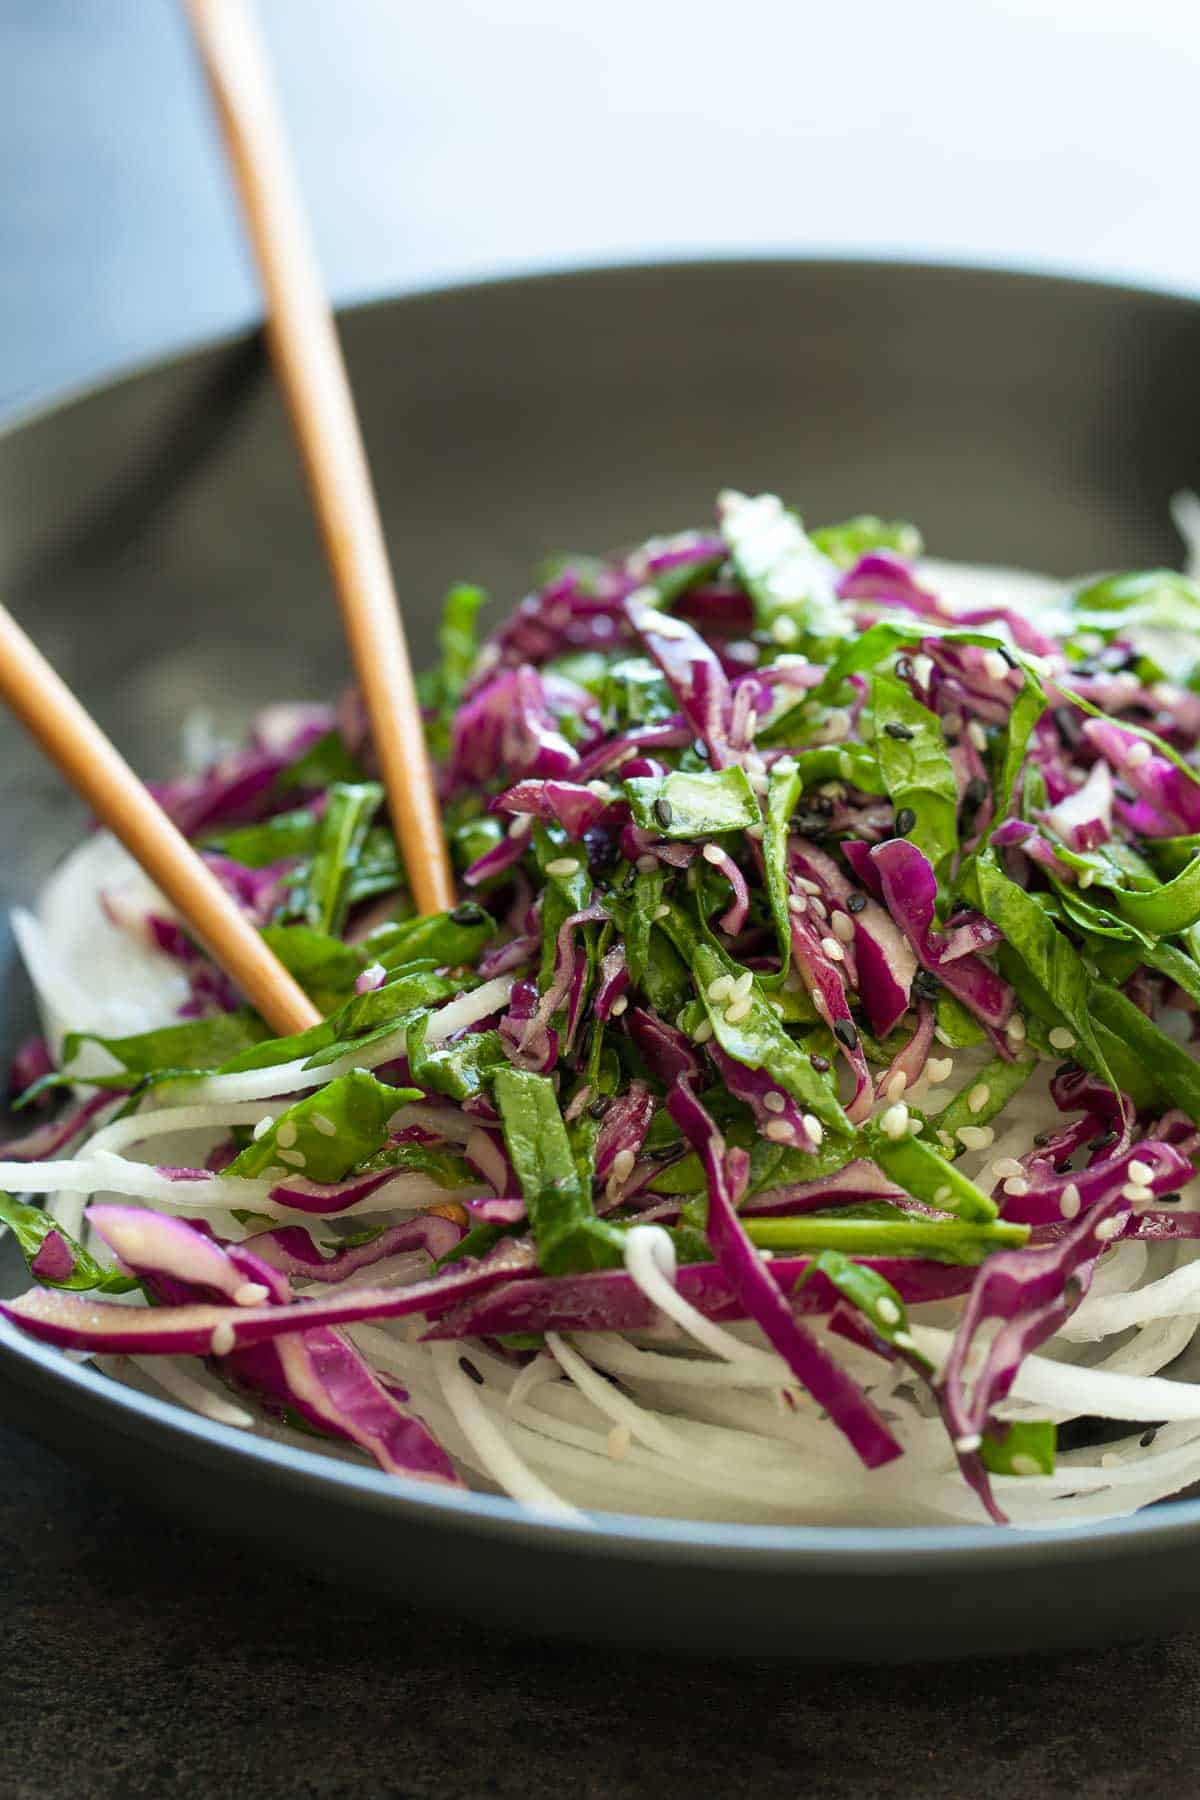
x=468, y=914
x=895, y=729
x=1073, y=1291
x=468, y=1368
x=663, y=812
x=1069, y=728
x=820, y=1064
x=845, y=1033
x=1041, y=1139
x=1007, y=654
x=1102, y=1142
x=1063, y=1168
x=597, y=1109
x=906, y=818
x=1169, y=1199
x=952, y=740
x=1148, y=1437
x=855, y=903
x=904, y=668
x=926, y=986
x=700, y=748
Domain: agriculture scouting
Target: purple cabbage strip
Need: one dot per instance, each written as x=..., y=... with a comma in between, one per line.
x=75, y=1322
x=291, y=1250
x=910, y=890
x=751, y=1278
x=693, y=672
x=1032, y=1293
x=320, y=1375
x=610, y=1300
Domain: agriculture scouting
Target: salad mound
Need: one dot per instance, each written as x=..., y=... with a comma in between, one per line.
x=803, y=1087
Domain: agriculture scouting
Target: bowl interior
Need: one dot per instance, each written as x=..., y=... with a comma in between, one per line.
x=155, y=534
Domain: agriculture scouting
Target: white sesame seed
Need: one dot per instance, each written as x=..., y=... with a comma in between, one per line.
x=713, y=853
x=276, y=1172
x=777, y=1007
x=774, y=1102
x=623, y=1163
x=702, y=1032
x=619, y=1005
x=820, y=1004
x=521, y=826
x=819, y=909
x=780, y=1131
x=784, y=629
x=807, y=886
x=978, y=1097
x=940, y=1194
x=1109, y=1228
x=737, y=1010
x=1085, y=878
x=798, y=903
x=721, y=988
x=1007, y=1165
x=223, y=1339
x=975, y=1137
x=1016, y=1185
x=325, y=1126
x=944, y=1139
x=940, y=1069
x=264, y=1125
x=296, y=1159
x=968, y=1443
x=894, y=1122
x=994, y=665
x=1140, y=1171
x=833, y=949
x=895, y=1085
x=1024, y=1465
x=742, y=986
x=843, y=927
x=1137, y=754
x=620, y=1442
x=1061, y=1038
x=1017, y=1028
x=814, y=1128
x=662, y=911
x=251, y=1293
x=757, y=832
x=977, y=735
x=601, y=789
x=887, y=1310
x=285, y=1137
x=904, y=1340
x=563, y=866
x=647, y=864
x=1070, y=1202
x=1136, y=1194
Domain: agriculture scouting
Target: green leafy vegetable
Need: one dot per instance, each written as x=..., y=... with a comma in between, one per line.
x=698, y=805
x=569, y=1236
x=31, y=1227
x=327, y=1133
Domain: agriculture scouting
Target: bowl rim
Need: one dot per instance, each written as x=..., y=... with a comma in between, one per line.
x=864, y=1550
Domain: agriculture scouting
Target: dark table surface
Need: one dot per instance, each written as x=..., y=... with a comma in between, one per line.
x=142, y=1662
x=140, y=1659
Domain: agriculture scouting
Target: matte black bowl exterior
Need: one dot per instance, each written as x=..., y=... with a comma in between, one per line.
x=154, y=535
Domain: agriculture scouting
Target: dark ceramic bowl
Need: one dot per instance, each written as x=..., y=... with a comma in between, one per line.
x=155, y=537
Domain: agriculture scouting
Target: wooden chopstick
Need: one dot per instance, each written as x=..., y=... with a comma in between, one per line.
x=309, y=363
x=97, y=770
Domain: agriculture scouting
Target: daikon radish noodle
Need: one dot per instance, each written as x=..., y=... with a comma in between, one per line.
x=795, y=1120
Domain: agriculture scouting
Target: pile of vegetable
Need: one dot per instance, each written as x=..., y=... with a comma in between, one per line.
x=802, y=1087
